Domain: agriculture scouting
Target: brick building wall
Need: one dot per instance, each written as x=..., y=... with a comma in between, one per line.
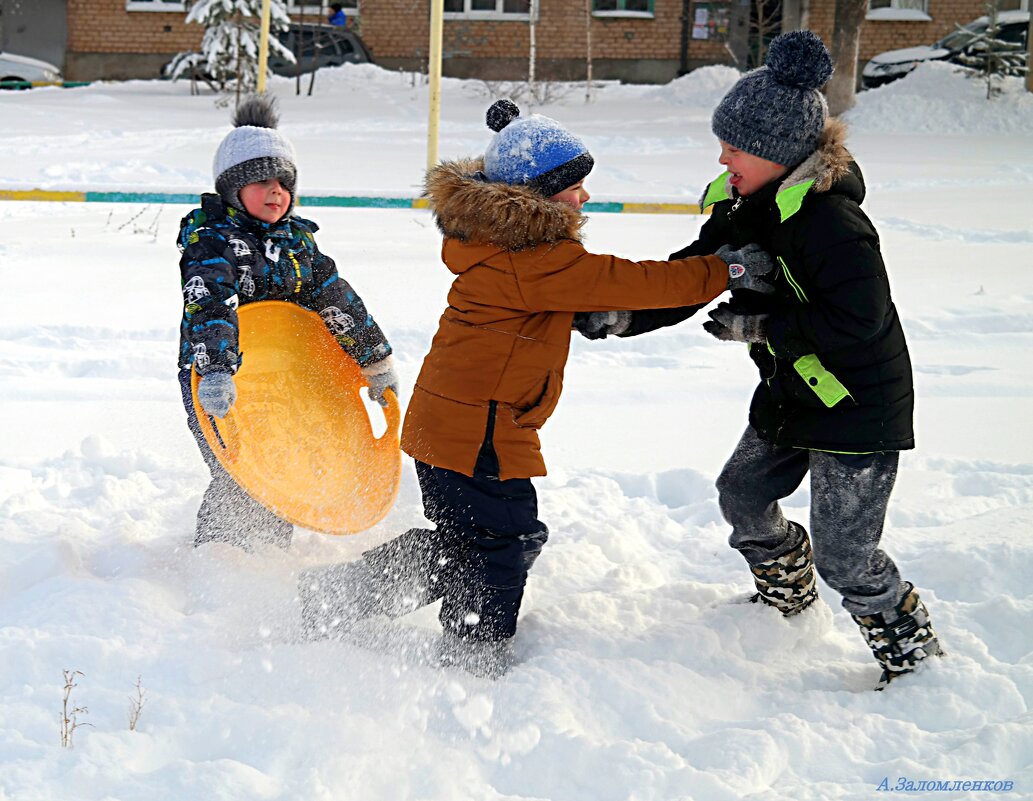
x=631, y=48
x=396, y=29
x=820, y=17
x=107, y=41
x=880, y=35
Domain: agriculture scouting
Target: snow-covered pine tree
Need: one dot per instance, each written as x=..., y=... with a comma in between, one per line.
x=990, y=57
x=232, y=33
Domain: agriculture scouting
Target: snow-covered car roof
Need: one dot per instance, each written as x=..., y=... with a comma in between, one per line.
x=1005, y=18
x=932, y=52
x=918, y=53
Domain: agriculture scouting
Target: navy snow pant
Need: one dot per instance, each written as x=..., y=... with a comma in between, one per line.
x=476, y=561
x=228, y=513
x=849, y=497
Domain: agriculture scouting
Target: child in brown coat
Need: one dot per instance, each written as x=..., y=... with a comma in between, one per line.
x=511, y=223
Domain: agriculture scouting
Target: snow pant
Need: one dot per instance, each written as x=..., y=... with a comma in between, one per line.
x=476, y=561
x=849, y=496
x=228, y=513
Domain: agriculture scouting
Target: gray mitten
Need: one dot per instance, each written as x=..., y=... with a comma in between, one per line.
x=381, y=376
x=746, y=266
x=599, y=325
x=731, y=326
x=216, y=393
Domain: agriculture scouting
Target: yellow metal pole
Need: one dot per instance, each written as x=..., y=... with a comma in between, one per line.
x=1029, y=58
x=263, y=46
x=437, y=16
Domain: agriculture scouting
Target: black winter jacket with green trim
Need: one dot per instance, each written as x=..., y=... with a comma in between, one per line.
x=836, y=374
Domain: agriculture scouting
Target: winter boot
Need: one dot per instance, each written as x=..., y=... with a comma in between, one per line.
x=904, y=640
x=486, y=659
x=335, y=598
x=787, y=581
x=414, y=569
x=230, y=515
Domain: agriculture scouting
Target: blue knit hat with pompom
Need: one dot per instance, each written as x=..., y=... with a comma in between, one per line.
x=533, y=151
x=776, y=112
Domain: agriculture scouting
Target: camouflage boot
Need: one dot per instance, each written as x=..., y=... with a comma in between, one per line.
x=902, y=642
x=787, y=581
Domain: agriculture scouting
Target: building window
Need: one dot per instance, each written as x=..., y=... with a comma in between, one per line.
x=156, y=5
x=308, y=7
x=488, y=9
x=898, y=10
x=622, y=8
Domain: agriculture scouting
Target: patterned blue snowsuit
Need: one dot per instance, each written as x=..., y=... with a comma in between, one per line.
x=230, y=259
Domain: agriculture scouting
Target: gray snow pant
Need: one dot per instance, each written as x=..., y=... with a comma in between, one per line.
x=849, y=496
x=228, y=513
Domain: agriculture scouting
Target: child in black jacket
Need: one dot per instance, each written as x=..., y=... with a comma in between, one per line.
x=836, y=396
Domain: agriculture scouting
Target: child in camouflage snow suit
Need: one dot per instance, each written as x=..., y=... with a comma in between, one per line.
x=244, y=245
x=493, y=377
x=836, y=395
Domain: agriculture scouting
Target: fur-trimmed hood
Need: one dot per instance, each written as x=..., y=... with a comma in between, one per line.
x=829, y=163
x=470, y=208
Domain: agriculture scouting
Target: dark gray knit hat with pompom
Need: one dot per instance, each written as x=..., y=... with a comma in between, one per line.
x=776, y=112
x=254, y=151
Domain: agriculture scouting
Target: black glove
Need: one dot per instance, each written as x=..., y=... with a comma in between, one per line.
x=216, y=393
x=746, y=266
x=731, y=326
x=599, y=325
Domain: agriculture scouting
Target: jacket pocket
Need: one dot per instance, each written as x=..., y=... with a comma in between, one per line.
x=536, y=415
x=825, y=385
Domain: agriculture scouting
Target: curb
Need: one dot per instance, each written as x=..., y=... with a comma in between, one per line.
x=339, y=201
x=32, y=84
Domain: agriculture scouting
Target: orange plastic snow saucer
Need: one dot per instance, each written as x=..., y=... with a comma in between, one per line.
x=298, y=438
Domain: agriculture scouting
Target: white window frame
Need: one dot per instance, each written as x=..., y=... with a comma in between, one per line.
x=898, y=11
x=156, y=5
x=301, y=7
x=497, y=14
x=625, y=14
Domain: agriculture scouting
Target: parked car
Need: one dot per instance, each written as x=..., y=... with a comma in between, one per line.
x=1013, y=26
x=316, y=46
x=18, y=72
x=313, y=46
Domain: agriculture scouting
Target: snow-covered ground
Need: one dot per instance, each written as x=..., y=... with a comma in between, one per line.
x=641, y=675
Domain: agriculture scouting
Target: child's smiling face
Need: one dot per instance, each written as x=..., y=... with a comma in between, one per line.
x=266, y=200
x=749, y=173
x=576, y=195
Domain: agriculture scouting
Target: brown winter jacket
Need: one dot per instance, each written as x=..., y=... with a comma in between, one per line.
x=521, y=273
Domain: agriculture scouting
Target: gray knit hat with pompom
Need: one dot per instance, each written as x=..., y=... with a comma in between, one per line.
x=254, y=151
x=776, y=112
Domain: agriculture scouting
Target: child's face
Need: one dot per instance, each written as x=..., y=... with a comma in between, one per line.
x=749, y=173
x=267, y=200
x=576, y=195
